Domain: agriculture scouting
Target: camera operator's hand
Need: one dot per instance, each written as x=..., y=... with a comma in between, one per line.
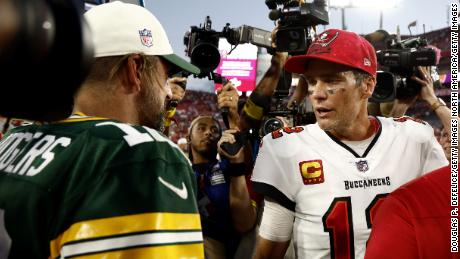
x=279, y=59
x=228, y=96
x=228, y=137
x=400, y=106
x=273, y=38
x=427, y=94
x=426, y=82
x=178, y=86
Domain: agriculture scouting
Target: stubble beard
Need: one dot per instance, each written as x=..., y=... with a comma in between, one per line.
x=150, y=108
x=337, y=124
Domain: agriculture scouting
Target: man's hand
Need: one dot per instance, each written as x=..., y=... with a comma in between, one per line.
x=178, y=86
x=426, y=82
x=427, y=94
x=228, y=96
x=228, y=137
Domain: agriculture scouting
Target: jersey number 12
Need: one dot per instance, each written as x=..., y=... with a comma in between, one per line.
x=338, y=221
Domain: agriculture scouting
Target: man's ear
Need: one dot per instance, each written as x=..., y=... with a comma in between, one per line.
x=368, y=86
x=188, y=138
x=132, y=74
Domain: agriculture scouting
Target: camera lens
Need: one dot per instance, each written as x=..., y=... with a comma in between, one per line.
x=271, y=125
x=206, y=56
x=385, y=88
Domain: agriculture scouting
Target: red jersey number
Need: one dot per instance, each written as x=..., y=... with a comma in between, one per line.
x=338, y=222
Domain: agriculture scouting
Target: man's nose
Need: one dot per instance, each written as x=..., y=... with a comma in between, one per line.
x=208, y=132
x=318, y=91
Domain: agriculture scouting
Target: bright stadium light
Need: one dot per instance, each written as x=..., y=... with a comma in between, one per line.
x=371, y=4
x=375, y=4
x=339, y=3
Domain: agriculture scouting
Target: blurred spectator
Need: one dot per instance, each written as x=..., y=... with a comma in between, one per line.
x=183, y=145
x=444, y=140
x=193, y=104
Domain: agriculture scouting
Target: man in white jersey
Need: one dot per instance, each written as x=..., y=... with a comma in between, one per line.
x=323, y=182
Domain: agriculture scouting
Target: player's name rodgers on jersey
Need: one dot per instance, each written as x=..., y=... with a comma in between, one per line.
x=335, y=191
x=90, y=187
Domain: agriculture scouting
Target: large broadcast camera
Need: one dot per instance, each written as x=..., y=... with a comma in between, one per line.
x=296, y=18
x=45, y=54
x=202, y=44
x=401, y=60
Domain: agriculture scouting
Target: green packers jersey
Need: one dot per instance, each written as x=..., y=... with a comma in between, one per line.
x=90, y=187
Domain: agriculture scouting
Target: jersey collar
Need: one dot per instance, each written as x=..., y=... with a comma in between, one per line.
x=375, y=122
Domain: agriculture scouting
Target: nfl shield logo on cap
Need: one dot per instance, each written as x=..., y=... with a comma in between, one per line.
x=146, y=37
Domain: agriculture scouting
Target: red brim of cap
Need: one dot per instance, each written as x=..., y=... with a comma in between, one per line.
x=298, y=64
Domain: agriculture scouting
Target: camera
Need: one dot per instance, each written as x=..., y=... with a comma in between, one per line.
x=296, y=18
x=248, y=34
x=385, y=89
x=202, y=44
x=278, y=106
x=401, y=60
x=45, y=54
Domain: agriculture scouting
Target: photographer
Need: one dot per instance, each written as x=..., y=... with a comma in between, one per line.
x=259, y=101
x=224, y=201
x=321, y=181
x=426, y=94
x=104, y=183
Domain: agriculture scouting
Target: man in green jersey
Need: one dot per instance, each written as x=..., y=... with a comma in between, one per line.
x=100, y=185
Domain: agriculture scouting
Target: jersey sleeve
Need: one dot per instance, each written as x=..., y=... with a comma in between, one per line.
x=434, y=156
x=431, y=153
x=144, y=208
x=271, y=175
x=392, y=234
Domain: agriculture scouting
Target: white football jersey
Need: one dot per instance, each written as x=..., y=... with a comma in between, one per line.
x=333, y=191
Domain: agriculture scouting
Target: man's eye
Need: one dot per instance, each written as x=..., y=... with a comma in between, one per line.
x=331, y=90
x=332, y=80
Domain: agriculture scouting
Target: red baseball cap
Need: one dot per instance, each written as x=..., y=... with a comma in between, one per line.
x=337, y=46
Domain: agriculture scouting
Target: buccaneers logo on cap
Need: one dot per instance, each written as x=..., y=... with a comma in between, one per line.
x=146, y=37
x=312, y=172
x=321, y=44
x=325, y=39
